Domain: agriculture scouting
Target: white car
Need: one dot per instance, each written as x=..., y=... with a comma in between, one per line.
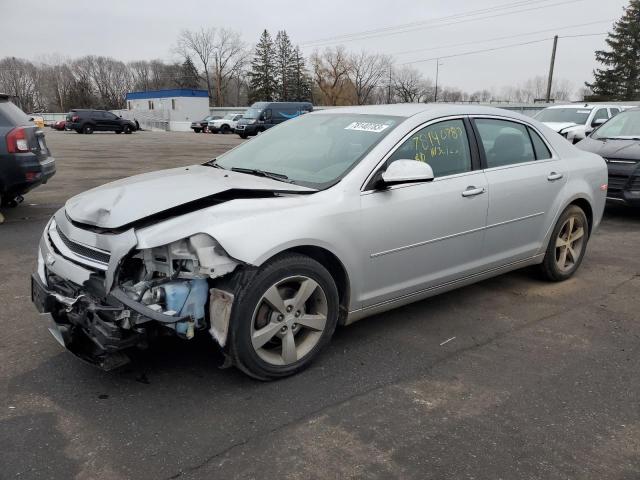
x=226, y=124
x=575, y=122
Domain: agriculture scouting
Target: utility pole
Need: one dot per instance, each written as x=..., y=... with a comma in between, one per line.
x=389, y=87
x=553, y=61
x=435, y=94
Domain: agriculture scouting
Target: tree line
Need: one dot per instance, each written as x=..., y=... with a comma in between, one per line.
x=275, y=69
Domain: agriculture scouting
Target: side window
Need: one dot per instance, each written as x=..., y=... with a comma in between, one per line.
x=601, y=114
x=541, y=149
x=614, y=111
x=504, y=142
x=444, y=146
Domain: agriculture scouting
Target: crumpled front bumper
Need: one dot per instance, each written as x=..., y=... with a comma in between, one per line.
x=87, y=312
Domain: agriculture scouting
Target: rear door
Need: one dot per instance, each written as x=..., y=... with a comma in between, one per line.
x=525, y=183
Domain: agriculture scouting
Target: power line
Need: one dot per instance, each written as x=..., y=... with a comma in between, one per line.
x=506, y=37
x=473, y=52
x=387, y=31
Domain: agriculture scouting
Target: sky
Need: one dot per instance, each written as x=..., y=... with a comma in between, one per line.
x=409, y=30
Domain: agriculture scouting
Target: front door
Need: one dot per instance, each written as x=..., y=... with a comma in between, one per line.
x=416, y=236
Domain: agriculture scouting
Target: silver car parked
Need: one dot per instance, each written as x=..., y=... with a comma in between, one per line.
x=321, y=221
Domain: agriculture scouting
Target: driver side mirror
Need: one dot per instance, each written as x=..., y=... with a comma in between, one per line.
x=406, y=171
x=598, y=121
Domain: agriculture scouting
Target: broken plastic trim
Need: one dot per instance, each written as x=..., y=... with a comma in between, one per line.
x=192, y=206
x=123, y=298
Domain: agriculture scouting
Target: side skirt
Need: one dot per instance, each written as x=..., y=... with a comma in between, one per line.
x=359, y=314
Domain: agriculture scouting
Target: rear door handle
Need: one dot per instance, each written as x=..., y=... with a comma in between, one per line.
x=472, y=191
x=554, y=176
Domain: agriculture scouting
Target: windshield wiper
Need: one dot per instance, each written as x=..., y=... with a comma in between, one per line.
x=213, y=163
x=261, y=173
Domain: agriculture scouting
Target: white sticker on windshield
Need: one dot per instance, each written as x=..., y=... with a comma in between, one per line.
x=584, y=111
x=367, y=127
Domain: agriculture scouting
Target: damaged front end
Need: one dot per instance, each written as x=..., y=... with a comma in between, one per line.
x=106, y=297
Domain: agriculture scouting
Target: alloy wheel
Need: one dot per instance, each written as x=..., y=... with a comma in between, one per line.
x=289, y=320
x=570, y=243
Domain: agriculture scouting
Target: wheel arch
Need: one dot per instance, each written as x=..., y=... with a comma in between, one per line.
x=335, y=267
x=586, y=207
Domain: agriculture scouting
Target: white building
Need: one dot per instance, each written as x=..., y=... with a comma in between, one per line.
x=172, y=109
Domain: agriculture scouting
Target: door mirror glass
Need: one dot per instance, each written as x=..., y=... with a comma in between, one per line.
x=407, y=171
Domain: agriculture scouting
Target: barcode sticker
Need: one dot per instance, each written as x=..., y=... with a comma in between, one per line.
x=367, y=127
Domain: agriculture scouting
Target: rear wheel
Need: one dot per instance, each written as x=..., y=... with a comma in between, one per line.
x=118, y=132
x=243, y=135
x=567, y=245
x=225, y=129
x=87, y=129
x=283, y=317
x=127, y=129
x=197, y=130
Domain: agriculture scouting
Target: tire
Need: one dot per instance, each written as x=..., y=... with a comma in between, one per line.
x=87, y=129
x=225, y=129
x=305, y=320
x=243, y=136
x=196, y=130
x=127, y=130
x=567, y=245
x=118, y=132
x=78, y=130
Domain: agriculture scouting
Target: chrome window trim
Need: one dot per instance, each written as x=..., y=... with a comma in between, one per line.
x=402, y=140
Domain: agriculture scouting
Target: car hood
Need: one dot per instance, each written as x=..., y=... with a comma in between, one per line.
x=612, y=149
x=124, y=202
x=559, y=126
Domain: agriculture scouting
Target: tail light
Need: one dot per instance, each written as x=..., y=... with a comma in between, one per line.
x=75, y=118
x=17, y=140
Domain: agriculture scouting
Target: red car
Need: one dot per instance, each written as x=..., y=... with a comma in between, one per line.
x=59, y=125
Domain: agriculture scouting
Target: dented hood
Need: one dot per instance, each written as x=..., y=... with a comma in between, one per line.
x=126, y=201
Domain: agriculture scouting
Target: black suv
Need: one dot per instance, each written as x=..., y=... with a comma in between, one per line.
x=25, y=160
x=89, y=121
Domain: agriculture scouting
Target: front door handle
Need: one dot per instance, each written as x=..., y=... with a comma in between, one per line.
x=553, y=176
x=472, y=191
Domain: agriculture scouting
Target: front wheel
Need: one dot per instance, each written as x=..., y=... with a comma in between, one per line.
x=567, y=245
x=196, y=130
x=87, y=129
x=127, y=129
x=225, y=129
x=243, y=136
x=283, y=317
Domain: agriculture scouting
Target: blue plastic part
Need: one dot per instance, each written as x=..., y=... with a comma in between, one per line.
x=187, y=297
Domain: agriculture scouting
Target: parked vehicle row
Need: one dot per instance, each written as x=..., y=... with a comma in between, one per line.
x=359, y=210
x=576, y=122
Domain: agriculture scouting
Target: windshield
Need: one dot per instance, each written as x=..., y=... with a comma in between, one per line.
x=251, y=113
x=312, y=150
x=230, y=116
x=564, y=115
x=624, y=125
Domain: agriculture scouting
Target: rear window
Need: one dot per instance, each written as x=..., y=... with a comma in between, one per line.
x=11, y=115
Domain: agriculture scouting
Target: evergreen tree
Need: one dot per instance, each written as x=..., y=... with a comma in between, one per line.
x=284, y=66
x=189, y=77
x=262, y=85
x=300, y=80
x=620, y=80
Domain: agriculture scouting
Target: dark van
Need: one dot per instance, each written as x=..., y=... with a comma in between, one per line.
x=263, y=115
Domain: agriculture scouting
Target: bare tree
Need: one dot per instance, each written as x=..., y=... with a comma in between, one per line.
x=201, y=44
x=330, y=71
x=366, y=72
x=410, y=86
x=19, y=78
x=229, y=59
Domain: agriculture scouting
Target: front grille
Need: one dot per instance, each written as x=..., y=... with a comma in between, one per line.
x=82, y=250
x=617, y=182
x=635, y=184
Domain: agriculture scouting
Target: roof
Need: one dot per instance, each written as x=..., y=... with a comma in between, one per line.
x=167, y=93
x=410, y=109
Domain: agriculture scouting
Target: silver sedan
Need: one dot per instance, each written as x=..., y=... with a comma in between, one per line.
x=319, y=222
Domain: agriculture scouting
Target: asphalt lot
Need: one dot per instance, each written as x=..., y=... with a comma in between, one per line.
x=537, y=380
